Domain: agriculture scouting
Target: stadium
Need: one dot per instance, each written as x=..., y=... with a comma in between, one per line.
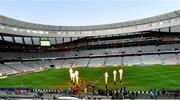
x=38, y=60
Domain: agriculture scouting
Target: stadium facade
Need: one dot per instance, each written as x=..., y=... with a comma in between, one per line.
x=153, y=40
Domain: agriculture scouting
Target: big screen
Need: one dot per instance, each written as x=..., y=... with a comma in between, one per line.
x=45, y=43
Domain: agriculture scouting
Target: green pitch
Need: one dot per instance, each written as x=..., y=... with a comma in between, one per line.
x=134, y=78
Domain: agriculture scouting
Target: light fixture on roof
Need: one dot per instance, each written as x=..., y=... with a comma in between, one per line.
x=40, y=32
x=161, y=23
x=152, y=24
x=28, y=31
x=21, y=30
x=46, y=32
x=34, y=31
x=59, y=33
x=15, y=29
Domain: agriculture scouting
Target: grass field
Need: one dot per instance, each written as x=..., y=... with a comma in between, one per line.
x=135, y=78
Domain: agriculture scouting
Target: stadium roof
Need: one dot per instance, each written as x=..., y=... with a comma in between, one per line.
x=68, y=31
x=17, y=23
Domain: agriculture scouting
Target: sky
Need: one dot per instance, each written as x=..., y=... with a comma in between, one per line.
x=84, y=12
